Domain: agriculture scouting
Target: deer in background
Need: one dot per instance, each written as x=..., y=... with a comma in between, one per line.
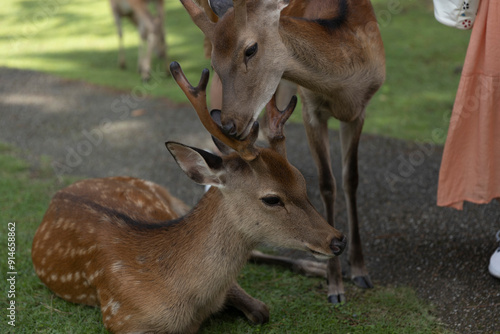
x=151, y=31
x=333, y=50
x=130, y=247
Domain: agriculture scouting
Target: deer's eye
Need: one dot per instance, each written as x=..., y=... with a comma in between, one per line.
x=272, y=201
x=250, y=51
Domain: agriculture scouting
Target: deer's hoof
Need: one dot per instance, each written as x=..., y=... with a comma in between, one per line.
x=363, y=282
x=259, y=316
x=337, y=300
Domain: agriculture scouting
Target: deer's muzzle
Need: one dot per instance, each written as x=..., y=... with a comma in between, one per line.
x=338, y=245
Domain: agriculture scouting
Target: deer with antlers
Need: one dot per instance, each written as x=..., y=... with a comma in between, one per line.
x=333, y=50
x=150, y=26
x=133, y=249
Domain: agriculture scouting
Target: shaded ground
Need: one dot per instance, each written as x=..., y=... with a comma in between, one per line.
x=95, y=132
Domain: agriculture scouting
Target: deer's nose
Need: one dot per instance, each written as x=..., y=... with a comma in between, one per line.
x=338, y=245
x=229, y=128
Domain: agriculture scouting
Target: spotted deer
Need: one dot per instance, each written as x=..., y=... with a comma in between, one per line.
x=151, y=30
x=133, y=249
x=331, y=49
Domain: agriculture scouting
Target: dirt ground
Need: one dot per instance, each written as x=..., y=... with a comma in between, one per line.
x=92, y=131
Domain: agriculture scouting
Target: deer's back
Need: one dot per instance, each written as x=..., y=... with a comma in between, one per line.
x=92, y=245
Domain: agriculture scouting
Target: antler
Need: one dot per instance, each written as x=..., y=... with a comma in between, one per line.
x=197, y=97
x=276, y=120
x=199, y=18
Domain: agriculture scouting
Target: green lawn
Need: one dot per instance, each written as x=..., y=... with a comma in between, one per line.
x=78, y=40
x=297, y=304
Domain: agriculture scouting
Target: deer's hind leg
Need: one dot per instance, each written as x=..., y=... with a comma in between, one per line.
x=118, y=22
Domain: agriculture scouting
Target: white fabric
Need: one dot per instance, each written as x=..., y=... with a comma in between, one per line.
x=456, y=13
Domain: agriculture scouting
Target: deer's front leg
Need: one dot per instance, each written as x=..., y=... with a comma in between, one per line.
x=255, y=310
x=317, y=135
x=349, y=135
x=162, y=52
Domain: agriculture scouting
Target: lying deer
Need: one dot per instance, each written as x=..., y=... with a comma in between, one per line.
x=151, y=31
x=333, y=50
x=128, y=246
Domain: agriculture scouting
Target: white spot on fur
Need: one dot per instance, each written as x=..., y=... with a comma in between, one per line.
x=53, y=277
x=59, y=222
x=67, y=297
x=104, y=309
x=94, y=275
x=66, y=225
x=42, y=228
x=82, y=296
x=117, y=266
x=115, y=307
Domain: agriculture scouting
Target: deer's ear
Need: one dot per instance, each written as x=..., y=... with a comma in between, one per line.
x=282, y=4
x=220, y=7
x=202, y=167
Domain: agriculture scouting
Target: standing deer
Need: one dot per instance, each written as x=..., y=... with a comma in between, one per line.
x=151, y=31
x=128, y=246
x=333, y=50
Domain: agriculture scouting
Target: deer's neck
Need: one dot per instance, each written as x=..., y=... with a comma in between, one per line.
x=208, y=246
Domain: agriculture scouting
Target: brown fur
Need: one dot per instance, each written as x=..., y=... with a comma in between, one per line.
x=333, y=50
x=120, y=243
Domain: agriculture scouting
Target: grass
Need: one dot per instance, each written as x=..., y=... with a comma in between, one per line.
x=298, y=304
x=77, y=40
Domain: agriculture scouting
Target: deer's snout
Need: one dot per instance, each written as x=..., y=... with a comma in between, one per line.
x=229, y=128
x=338, y=245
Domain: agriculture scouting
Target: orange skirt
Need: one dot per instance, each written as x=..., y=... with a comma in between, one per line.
x=470, y=169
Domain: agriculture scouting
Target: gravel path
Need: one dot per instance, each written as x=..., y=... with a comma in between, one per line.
x=93, y=131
